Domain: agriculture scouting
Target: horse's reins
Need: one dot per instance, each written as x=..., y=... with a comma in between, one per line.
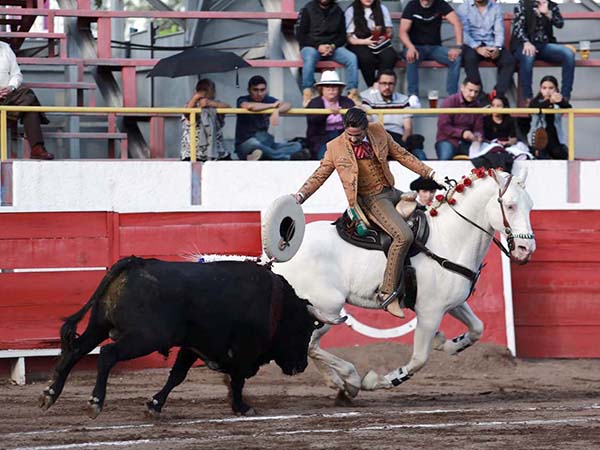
x=510, y=239
x=507, y=229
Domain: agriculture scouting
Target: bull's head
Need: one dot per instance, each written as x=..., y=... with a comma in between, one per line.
x=294, y=334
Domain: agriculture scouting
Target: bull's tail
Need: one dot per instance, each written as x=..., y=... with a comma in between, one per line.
x=68, y=331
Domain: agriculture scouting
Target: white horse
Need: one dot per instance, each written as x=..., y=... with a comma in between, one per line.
x=330, y=272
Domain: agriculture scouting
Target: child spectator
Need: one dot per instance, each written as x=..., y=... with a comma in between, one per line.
x=209, y=124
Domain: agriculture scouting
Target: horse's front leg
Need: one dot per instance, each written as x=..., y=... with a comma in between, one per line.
x=338, y=373
x=427, y=325
x=464, y=314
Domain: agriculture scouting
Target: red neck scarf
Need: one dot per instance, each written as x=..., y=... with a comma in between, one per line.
x=363, y=150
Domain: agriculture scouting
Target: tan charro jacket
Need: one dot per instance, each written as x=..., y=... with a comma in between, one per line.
x=340, y=156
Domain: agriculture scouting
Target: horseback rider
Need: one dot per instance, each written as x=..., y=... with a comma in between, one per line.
x=360, y=156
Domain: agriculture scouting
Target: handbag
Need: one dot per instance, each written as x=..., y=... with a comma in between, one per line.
x=381, y=46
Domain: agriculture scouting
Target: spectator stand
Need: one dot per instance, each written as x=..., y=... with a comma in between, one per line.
x=122, y=91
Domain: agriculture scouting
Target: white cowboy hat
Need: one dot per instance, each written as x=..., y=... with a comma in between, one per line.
x=330, y=78
x=282, y=228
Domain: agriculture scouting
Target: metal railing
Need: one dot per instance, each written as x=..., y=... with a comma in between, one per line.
x=570, y=113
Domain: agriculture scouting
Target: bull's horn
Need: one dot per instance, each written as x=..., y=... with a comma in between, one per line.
x=322, y=317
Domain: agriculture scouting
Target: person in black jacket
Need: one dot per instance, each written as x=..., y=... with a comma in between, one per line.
x=533, y=38
x=323, y=128
x=321, y=33
x=547, y=136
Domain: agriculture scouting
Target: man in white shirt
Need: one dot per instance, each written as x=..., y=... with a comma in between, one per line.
x=12, y=93
x=399, y=126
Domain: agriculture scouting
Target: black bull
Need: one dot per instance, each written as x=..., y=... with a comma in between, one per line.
x=235, y=316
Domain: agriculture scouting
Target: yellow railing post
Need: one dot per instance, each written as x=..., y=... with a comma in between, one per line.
x=193, y=137
x=380, y=114
x=571, y=126
x=3, y=136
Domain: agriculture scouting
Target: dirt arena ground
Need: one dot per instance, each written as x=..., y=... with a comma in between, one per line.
x=480, y=399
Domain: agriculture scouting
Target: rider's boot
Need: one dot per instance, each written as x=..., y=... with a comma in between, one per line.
x=391, y=302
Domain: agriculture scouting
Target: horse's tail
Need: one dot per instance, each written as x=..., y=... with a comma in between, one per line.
x=68, y=330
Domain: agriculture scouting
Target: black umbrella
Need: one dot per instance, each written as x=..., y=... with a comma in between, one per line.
x=195, y=61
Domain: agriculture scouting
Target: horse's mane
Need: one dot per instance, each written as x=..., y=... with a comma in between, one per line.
x=462, y=186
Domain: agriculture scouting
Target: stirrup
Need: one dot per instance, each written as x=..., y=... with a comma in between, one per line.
x=389, y=299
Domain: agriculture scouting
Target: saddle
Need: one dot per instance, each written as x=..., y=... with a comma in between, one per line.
x=373, y=237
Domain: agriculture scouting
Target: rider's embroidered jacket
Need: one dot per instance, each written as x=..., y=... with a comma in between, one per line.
x=340, y=157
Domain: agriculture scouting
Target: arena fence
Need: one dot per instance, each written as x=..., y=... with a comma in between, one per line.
x=570, y=113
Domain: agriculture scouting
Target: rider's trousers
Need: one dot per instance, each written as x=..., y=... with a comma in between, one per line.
x=381, y=208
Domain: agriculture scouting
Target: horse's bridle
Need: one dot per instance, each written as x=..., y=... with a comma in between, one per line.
x=510, y=236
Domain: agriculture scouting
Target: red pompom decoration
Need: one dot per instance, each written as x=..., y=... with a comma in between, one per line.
x=451, y=201
x=467, y=182
x=460, y=187
x=439, y=197
x=433, y=213
x=480, y=172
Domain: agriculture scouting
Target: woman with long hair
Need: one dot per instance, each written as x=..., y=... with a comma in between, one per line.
x=369, y=31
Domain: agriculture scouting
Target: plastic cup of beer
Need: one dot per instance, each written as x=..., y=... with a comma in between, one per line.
x=433, y=98
x=584, y=49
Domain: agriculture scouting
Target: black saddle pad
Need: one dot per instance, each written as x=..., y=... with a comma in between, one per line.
x=376, y=238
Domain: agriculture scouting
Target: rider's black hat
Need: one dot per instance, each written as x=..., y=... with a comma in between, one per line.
x=425, y=184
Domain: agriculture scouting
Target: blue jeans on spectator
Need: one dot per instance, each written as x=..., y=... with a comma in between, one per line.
x=447, y=150
x=311, y=56
x=554, y=53
x=437, y=53
x=328, y=137
x=271, y=149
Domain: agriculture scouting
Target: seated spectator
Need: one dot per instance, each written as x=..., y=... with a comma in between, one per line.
x=456, y=132
x=547, y=136
x=369, y=32
x=533, y=38
x=209, y=124
x=321, y=128
x=483, y=33
x=500, y=145
x=13, y=94
x=420, y=32
x=321, y=33
x=399, y=126
x=425, y=189
x=252, y=138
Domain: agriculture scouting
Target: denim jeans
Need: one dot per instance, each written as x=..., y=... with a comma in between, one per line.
x=447, y=150
x=311, y=56
x=436, y=53
x=555, y=53
x=271, y=149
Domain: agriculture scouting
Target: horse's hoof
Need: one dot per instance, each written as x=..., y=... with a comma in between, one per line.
x=342, y=399
x=369, y=381
x=351, y=390
x=94, y=408
x=438, y=341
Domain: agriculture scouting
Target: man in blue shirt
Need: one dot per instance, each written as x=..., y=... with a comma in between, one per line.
x=483, y=34
x=252, y=138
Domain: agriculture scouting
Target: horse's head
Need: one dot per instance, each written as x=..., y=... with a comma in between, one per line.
x=508, y=213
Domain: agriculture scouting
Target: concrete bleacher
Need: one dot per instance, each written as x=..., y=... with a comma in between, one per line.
x=129, y=72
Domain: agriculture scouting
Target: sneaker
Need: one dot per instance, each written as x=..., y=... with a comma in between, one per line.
x=254, y=155
x=307, y=95
x=414, y=102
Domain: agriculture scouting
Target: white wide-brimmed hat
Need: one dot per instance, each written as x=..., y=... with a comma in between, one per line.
x=282, y=228
x=330, y=78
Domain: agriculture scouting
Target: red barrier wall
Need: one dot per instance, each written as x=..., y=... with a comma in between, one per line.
x=556, y=296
